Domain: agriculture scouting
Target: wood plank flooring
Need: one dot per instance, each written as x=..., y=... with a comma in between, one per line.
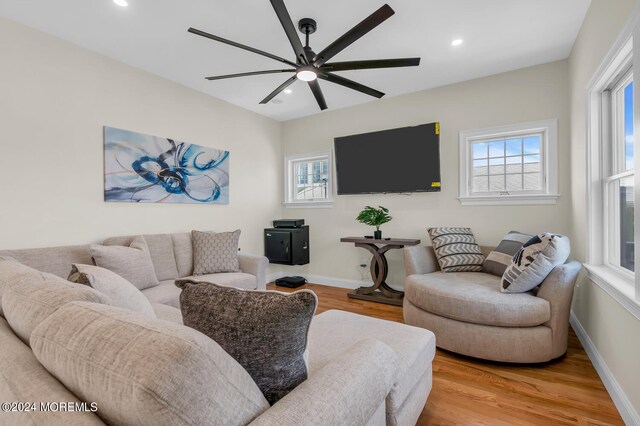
x=468, y=391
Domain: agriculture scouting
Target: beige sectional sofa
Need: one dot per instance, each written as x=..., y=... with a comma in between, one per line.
x=469, y=315
x=63, y=343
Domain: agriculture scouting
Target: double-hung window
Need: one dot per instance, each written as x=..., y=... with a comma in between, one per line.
x=514, y=164
x=308, y=180
x=618, y=177
x=611, y=176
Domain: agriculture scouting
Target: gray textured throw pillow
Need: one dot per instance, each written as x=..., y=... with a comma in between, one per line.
x=215, y=252
x=123, y=294
x=500, y=258
x=265, y=331
x=534, y=261
x=132, y=263
x=456, y=249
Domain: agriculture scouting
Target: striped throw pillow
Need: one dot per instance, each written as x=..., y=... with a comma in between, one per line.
x=499, y=259
x=456, y=249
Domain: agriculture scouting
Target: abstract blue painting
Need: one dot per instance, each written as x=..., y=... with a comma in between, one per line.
x=147, y=169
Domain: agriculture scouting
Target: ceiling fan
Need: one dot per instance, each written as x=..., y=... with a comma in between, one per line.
x=308, y=65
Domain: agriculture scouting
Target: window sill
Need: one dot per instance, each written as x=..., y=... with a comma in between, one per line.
x=497, y=200
x=615, y=285
x=310, y=205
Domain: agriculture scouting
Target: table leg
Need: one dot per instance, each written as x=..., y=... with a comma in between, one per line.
x=379, y=270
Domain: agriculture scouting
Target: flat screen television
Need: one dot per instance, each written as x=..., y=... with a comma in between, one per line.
x=397, y=160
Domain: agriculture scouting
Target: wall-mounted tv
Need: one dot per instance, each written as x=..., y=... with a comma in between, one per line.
x=397, y=160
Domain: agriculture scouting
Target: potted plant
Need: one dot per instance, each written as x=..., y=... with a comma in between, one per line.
x=374, y=217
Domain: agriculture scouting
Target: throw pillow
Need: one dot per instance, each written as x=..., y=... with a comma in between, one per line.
x=534, y=261
x=265, y=331
x=500, y=258
x=31, y=297
x=132, y=263
x=456, y=249
x=215, y=252
x=122, y=293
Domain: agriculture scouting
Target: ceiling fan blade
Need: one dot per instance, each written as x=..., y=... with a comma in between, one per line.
x=317, y=92
x=245, y=74
x=350, y=84
x=280, y=88
x=371, y=64
x=290, y=30
x=241, y=46
x=369, y=23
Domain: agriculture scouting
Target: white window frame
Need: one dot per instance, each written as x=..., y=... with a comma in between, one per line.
x=618, y=282
x=549, y=158
x=289, y=184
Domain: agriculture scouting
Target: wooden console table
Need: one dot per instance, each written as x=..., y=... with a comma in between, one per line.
x=380, y=291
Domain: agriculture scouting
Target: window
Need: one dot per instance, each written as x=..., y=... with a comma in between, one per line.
x=308, y=180
x=618, y=177
x=611, y=177
x=514, y=164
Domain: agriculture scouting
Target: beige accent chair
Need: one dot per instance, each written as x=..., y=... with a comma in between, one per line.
x=470, y=316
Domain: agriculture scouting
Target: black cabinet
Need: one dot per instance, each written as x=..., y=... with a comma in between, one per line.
x=287, y=246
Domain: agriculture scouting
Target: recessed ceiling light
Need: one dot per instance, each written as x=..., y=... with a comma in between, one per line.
x=121, y=3
x=457, y=42
x=288, y=91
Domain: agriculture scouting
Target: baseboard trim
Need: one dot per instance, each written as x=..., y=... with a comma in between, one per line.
x=620, y=399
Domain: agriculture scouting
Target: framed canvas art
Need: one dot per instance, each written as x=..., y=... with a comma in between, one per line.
x=140, y=168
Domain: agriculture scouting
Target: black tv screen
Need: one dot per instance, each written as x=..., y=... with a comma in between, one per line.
x=397, y=160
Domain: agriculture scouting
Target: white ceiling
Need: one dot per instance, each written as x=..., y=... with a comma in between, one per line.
x=499, y=35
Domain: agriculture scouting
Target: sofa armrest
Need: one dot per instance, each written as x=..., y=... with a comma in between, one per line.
x=557, y=289
x=347, y=391
x=420, y=260
x=255, y=265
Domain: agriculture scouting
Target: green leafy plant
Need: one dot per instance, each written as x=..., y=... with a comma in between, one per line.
x=374, y=217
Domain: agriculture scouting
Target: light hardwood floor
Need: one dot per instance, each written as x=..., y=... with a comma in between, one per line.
x=468, y=391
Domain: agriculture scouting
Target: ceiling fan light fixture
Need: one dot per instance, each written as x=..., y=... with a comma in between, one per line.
x=306, y=74
x=457, y=42
x=121, y=3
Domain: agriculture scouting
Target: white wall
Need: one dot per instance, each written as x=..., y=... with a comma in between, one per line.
x=54, y=99
x=536, y=93
x=614, y=332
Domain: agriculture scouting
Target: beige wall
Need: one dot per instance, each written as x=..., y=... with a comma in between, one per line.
x=55, y=98
x=613, y=330
x=535, y=93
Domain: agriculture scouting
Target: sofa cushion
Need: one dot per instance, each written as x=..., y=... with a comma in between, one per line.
x=9, y=269
x=167, y=313
x=54, y=260
x=142, y=370
x=475, y=297
x=333, y=331
x=165, y=293
x=31, y=297
x=215, y=252
x=500, y=258
x=24, y=379
x=183, y=249
x=265, y=331
x=161, y=250
x=456, y=249
x=229, y=279
x=534, y=261
x=132, y=262
x=121, y=292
